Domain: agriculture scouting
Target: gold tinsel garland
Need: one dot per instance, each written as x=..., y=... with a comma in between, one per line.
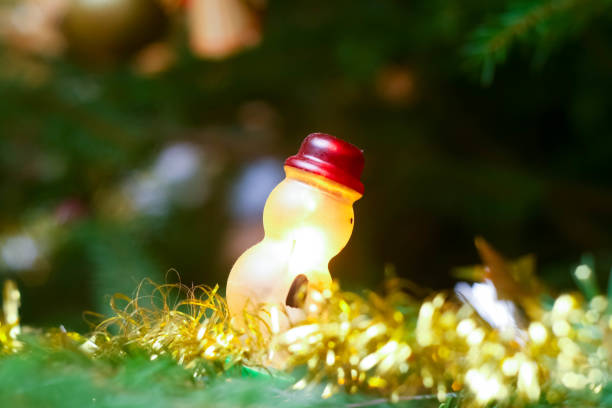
x=394, y=345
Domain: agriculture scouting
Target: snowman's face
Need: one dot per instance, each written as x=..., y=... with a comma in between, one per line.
x=318, y=224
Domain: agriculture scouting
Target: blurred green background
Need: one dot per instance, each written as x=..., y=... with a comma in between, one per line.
x=129, y=151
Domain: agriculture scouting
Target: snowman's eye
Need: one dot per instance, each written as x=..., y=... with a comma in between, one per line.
x=351, y=220
x=297, y=292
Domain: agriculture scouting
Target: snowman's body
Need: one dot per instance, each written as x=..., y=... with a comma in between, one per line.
x=308, y=219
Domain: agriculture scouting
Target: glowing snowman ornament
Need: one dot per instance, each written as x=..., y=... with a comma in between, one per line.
x=308, y=219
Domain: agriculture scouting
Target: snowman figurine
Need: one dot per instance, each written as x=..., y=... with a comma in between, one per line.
x=308, y=218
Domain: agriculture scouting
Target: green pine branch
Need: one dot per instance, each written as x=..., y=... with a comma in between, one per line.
x=53, y=377
x=544, y=25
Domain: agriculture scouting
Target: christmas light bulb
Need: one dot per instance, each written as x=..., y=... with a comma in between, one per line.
x=219, y=28
x=308, y=219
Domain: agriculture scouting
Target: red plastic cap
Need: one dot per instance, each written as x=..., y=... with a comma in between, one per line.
x=331, y=158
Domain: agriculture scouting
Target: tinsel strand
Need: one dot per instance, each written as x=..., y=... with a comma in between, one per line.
x=394, y=345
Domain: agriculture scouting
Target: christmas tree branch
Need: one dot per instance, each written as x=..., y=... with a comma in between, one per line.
x=544, y=23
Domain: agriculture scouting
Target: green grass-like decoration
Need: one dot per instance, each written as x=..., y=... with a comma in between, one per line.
x=49, y=377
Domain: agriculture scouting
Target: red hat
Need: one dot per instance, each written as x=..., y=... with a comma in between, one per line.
x=331, y=158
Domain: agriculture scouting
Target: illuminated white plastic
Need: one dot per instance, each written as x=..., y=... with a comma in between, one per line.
x=308, y=219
